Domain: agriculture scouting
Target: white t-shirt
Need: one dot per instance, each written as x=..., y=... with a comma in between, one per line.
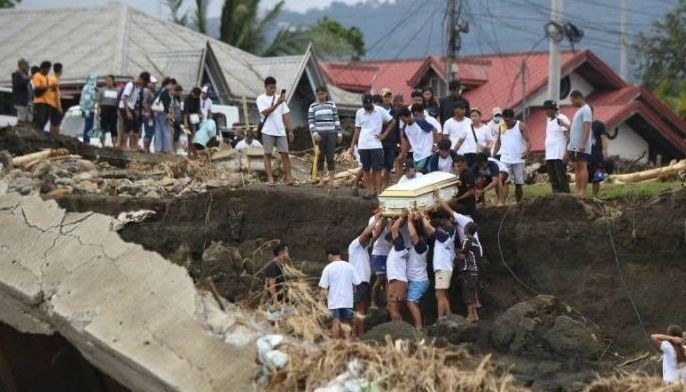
x=132, y=92
x=444, y=253
x=206, y=108
x=404, y=177
x=359, y=258
x=433, y=121
x=420, y=141
x=462, y=221
x=416, y=265
x=576, y=132
x=396, y=265
x=339, y=277
x=671, y=371
x=457, y=130
x=242, y=145
x=371, y=125
x=381, y=246
x=484, y=137
x=274, y=125
x=555, y=140
x=445, y=164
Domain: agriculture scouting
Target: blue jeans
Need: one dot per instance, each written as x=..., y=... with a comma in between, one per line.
x=88, y=127
x=163, y=137
x=148, y=128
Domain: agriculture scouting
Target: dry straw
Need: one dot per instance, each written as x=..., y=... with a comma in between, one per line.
x=632, y=382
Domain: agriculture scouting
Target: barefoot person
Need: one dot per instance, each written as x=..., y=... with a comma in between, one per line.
x=418, y=279
x=358, y=254
x=469, y=265
x=674, y=354
x=580, y=143
x=338, y=280
x=396, y=271
x=444, y=253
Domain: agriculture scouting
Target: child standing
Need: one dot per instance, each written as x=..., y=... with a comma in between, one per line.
x=469, y=265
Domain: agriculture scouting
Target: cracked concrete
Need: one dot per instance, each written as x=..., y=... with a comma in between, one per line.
x=131, y=313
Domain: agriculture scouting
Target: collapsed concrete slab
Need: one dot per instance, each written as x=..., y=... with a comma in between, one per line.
x=131, y=313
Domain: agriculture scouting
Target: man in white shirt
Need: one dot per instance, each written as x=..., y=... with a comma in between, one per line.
x=128, y=108
x=338, y=281
x=247, y=142
x=358, y=254
x=205, y=103
x=369, y=132
x=580, y=142
x=419, y=134
x=276, y=120
x=556, y=140
x=457, y=128
x=514, y=145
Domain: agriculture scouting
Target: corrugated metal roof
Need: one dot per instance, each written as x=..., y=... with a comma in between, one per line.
x=117, y=39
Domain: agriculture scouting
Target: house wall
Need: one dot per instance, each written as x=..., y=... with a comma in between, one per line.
x=577, y=83
x=628, y=144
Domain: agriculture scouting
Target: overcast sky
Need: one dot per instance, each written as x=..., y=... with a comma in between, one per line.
x=159, y=8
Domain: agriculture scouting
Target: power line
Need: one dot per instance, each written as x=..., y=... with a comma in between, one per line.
x=397, y=25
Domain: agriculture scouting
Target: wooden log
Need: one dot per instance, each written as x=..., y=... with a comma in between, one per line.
x=28, y=158
x=649, y=174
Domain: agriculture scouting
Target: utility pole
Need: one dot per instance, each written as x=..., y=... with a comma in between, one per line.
x=623, y=59
x=555, y=35
x=454, y=26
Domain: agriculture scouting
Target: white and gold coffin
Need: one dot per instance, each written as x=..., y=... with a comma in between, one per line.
x=417, y=194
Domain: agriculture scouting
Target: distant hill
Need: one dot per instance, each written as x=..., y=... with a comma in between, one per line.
x=495, y=25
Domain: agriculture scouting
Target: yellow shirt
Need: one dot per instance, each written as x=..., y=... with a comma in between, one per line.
x=40, y=81
x=52, y=97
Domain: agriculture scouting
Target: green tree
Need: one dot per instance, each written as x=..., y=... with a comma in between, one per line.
x=200, y=16
x=661, y=53
x=9, y=3
x=242, y=26
x=175, y=10
x=330, y=41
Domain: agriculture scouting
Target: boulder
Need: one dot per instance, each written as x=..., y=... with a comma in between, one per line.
x=220, y=258
x=457, y=330
x=571, y=337
x=394, y=329
x=88, y=186
x=258, y=253
x=182, y=256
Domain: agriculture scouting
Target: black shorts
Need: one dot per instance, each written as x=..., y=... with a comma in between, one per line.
x=55, y=116
x=108, y=119
x=363, y=293
x=575, y=156
x=371, y=159
x=468, y=282
x=132, y=125
x=177, y=131
x=389, y=155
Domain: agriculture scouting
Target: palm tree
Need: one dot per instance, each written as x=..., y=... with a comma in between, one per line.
x=200, y=16
x=242, y=26
x=175, y=10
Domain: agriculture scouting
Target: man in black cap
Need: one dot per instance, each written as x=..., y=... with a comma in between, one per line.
x=556, y=141
x=369, y=133
x=449, y=102
x=21, y=91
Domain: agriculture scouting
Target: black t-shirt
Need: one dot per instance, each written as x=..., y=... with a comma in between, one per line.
x=275, y=271
x=597, y=129
x=466, y=183
x=191, y=105
x=391, y=141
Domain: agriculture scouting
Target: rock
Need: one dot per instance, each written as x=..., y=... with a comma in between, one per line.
x=256, y=260
x=60, y=192
x=82, y=165
x=86, y=176
x=48, y=183
x=64, y=181
x=570, y=337
x=4, y=187
x=153, y=194
x=181, y=183
x=220, y=258
x=128, y=186
x=456, y=329
x=23, y=185
x=88, y=186
x=249, y=246
x=168, y=182
x=182, y=256
x=5, y=161
x=394, y=329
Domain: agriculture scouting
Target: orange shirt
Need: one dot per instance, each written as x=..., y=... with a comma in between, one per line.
x=40, y=81
x=52, y=97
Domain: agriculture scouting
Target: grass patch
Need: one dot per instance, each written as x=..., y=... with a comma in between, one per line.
x=637, y=191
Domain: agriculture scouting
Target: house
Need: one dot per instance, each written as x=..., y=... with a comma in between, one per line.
x=123, y=41
x=640, y=126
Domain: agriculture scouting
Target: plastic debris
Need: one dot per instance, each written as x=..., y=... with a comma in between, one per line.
x=350, y=380
x=268, y=355
x=125, y=218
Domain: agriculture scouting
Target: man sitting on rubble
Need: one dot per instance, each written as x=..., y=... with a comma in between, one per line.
x=490, y=174
x=338, y=280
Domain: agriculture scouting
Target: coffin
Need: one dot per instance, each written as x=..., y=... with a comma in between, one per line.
x=417, y=194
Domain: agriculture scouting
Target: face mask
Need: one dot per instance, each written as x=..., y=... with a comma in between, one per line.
x=496, y=119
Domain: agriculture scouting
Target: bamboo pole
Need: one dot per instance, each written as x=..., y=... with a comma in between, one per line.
x=649, y=174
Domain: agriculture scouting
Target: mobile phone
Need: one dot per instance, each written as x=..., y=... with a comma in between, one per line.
x=283, y=92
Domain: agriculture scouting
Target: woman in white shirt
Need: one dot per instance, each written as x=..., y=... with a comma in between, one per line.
x=673, y=354
x=484, y=139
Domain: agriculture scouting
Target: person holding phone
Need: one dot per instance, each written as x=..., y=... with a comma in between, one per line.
x=556, y=140
x=276, y=122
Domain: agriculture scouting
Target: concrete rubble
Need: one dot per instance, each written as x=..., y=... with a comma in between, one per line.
x=131, y=313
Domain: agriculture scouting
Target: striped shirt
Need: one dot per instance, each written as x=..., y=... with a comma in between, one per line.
x=323, y=117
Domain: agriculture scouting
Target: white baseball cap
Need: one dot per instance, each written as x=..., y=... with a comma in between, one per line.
x=205, y=89
x=153, y=79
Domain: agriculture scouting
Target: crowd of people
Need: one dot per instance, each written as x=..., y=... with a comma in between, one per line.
x=143, y=106
x=388, y=262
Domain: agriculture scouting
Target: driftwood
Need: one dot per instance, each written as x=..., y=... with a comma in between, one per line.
x=35, y=157
x=650, y=174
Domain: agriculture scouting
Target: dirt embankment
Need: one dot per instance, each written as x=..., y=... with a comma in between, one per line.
x=555, y=245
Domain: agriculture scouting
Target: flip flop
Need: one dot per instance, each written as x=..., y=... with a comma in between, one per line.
x=271, y=184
